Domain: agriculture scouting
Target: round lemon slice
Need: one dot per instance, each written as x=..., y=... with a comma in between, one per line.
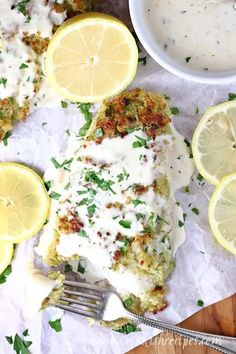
x=91, y=57
x=222, y=211
x=214, y=142
x=6, y=253
x=24, y=203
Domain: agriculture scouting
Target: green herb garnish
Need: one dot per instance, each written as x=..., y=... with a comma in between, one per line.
x=139, y=216
x=20, y=346
x=83, y=233
x=85, y=110
x=231, y=96
x=174, y=110
x=5, y=274
x=80, y=268
x=64, y=104
x=136, y=202
x=68, y=268
x=55, y=195
x=23, y=66
x=139, y=143
x=48, y=185
x=5, y=140
x=128, y=328
x=143, y=60
x=123, y=175
x=128, y=302
x=91, y=209
x=55, y=163
x=3, y=81
x=195, y=211
x=200, y=302
x=56, y=325
x=188, y=59
x=125, y=223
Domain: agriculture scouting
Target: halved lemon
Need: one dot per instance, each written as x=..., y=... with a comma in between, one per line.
x=91, y=57
x=24, y=202
x=214, y=142
x=222, y=213
x=6, y=253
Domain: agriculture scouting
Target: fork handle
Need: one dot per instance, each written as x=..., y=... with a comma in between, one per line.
x=223, y=344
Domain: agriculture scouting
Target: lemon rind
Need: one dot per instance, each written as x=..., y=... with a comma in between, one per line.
x=7, y=249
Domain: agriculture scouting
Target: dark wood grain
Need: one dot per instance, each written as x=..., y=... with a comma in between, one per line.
x=219, y=318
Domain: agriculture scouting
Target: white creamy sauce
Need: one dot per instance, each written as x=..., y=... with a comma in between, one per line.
x=198, y=33
x=125, y=166
x=19, y=65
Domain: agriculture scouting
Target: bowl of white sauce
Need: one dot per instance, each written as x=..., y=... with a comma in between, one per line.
x=194, y=39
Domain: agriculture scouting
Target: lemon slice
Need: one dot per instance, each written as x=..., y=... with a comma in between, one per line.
x=214, y=142
x=6, y=253
x=24, y=202
x=222, y=211
x=91, y=57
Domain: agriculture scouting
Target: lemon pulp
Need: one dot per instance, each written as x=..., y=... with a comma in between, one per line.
x=24, y=203
x=91, y=57
x=222, y=211
x=214, y=142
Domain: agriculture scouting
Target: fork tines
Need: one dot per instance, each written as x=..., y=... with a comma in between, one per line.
x=86, y=301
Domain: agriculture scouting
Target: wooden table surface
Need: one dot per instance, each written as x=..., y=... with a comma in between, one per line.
x=219, y=318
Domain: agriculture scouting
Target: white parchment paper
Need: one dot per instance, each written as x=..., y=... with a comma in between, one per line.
x=203, y=269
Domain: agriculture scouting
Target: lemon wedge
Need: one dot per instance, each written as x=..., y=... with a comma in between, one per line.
x=24, y=203
x=222, y=211
x=91, y=57
x=6, y=253
x=214, y=142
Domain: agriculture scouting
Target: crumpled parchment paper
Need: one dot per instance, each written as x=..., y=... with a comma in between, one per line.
x=204, y=270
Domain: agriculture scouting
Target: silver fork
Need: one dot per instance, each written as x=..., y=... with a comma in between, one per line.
x=105, y=304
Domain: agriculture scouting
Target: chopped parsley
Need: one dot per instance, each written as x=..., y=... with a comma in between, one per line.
x=91, y=176
x=56, y=325
x=20, y=346
x=5, y=274
x=65, y=164
x=188, y=59
x=174, y=110
x=128, y=328
x=21, y=7
x=139, y=143
x=80, y=268
x=64, y=104
x=91, y=209
x=159, y=220
x=200, y=302
x=196, y=111
x=85, y=110
x=200, y=177
x=132, y=129
x=187, y=142
x=5, y=139
x=125, y=223
x=136, y=202
x=48, y=185
x=55, y=195
x=23, y=66
x=83, y=233
x=55, y=163
x=68, y=268
x=3, y=81
x=143, y=60
x=123, y=175
x=139, y=216
x=26, y=333
x=184, y=216
x=128, y=302
x=180, y=223
x=231, y=96
x=195, y=211
x=186, y=189
x=67, y=186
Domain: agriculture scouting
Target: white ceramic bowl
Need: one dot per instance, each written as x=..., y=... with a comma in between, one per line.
x=146, y=35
